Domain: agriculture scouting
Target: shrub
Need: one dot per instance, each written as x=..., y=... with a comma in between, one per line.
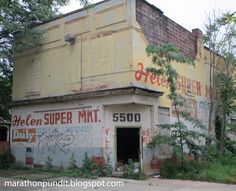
x=108, y=167
x=87, y=166
x=6, y=160
x=72, y=164
x=131, y=173
x=188, y=170
x=48, y=163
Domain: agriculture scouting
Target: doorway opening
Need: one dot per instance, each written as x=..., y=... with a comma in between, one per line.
x=128, y=145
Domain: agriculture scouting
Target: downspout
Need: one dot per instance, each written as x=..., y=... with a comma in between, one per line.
x=81, y=63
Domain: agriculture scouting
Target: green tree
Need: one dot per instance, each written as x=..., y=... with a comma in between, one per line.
x=220, y=37
x=17, y=32
x=181, y=135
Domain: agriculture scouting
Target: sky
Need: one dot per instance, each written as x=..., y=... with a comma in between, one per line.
x=188, y=13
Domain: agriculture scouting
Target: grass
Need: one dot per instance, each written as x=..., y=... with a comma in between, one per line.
x=219, y=169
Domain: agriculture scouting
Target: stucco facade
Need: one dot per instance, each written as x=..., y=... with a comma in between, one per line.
x=83, y=97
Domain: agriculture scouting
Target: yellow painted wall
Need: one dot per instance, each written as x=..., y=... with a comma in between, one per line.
x=101, y=57
x=107, y=54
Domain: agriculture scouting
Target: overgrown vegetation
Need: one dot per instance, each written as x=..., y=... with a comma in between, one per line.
x=48, y=164
x=220, y=37
x=215, y=168
x=88, y=168
x=130, y=172
x=204, y=164
x=6, y=160
x=17, y=19
x=181, y=135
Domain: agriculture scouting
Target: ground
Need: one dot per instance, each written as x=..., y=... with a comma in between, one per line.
x=152, y=184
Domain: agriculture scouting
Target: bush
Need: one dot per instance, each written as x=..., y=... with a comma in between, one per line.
x=189, y=170
x=6, y=160
x=108, y=167
x=72, y=164
x=131, y=173
x=48, y=163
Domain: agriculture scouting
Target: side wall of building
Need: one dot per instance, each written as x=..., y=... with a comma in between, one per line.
x=61, y=130
x=100, y=58
x=153, y=27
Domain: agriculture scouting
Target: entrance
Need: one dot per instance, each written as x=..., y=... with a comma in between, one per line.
x=128, y=144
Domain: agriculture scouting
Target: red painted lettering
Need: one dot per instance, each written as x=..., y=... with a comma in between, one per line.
x=16, y=120
x=46, y=119
x=82, y=116
x=95, y=115
x=198, y=88
x=88, y=116
x=69, y=117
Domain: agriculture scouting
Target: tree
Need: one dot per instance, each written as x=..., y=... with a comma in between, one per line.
x=17, y=33
x=181, y=135
x=220, y=37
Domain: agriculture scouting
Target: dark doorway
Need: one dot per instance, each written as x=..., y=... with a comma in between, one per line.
x=127, y=145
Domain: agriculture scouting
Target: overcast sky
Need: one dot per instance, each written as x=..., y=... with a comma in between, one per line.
x=188, y=13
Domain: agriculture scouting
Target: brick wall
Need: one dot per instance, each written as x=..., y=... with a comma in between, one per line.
x=159, y=29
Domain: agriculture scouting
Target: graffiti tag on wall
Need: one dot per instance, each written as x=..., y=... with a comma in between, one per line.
x=190, y=107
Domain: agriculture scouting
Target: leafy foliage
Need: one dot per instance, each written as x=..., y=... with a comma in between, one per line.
x=48, y=164
x=17, y=33
x=164, y=57
x=88, y=165
x=131, y=173
x=5, y=97
x=220, y=37
x=6, y=160
x=108, y=167
x=72, y=164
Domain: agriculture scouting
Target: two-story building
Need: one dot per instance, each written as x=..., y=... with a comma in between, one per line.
x=85, y=89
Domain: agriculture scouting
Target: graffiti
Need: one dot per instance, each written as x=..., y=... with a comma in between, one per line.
x=190, y=107
x=107, y=137
x=24, y=135
x=52, y=139
x=64, y=139
x=146, y=136
x=183, y=84
x=108, y=154
x=204, y=105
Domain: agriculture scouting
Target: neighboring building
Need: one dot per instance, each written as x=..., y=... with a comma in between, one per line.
x=86, y=89
x=4, y=135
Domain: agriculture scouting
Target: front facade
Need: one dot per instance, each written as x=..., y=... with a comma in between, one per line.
x=94, y=95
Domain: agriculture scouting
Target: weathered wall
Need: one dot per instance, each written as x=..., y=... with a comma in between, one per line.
x=153, y=27
x=109, y=52
x=99, y=59
x=60, y=130
x=160, y=29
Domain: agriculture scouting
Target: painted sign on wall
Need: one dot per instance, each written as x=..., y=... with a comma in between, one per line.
x=126, y=117
x=56, y=129
x=57, y=118
x=184, y=84
x=24, y=135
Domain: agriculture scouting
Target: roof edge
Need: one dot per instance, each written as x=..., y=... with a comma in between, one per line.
x=131, y=90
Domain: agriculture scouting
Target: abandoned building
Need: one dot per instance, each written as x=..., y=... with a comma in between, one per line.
x=86, y=89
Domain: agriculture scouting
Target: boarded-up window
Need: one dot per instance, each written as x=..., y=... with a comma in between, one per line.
x=163, y=115
x=33, y=77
